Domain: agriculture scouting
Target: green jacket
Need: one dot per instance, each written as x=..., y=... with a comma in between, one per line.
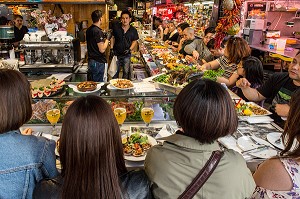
x=172, y=167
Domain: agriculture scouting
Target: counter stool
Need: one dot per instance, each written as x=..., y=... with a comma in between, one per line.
x=283, y=59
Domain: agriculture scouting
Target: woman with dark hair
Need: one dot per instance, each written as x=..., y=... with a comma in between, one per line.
x=279, y=177
x=205, y=113
x=236, y=49
x=91, y=155
x=25, y=160
x=252, y=70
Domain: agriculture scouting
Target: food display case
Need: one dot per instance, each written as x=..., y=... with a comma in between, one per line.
x=133, y=99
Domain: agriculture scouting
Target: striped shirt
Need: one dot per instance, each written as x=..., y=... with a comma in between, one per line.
x=228, y=67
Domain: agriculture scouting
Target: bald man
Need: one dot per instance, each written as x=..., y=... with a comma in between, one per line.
x=198, y=47
x=188, y=37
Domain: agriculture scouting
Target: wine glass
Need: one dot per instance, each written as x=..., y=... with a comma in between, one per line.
x=147, y=114
x=120, y=113
x=53, y=116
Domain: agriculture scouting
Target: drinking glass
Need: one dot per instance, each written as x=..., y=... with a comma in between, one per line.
x=120, y=113
x=147, y=114
x=53, y=116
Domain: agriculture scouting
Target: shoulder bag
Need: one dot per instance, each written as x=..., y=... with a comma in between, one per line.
x=203, y=175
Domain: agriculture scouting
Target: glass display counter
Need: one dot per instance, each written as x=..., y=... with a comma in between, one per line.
x=133, y=99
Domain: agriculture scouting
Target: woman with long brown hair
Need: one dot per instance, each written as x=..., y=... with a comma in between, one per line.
x=280, y=176
x=91, y=155
x=24, y=159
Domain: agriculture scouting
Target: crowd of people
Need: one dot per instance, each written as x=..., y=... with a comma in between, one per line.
x=92, y=159
x=90, y=149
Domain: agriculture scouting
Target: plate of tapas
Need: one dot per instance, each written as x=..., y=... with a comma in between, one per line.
x=86, y=87
x=136, y=145
x=251, y=109
x=121, y=84
x=46, y=87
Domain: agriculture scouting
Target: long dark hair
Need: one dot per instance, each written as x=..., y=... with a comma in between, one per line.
x=254, y=71
x=15, y=100
x=292, y=128
x=91, y=151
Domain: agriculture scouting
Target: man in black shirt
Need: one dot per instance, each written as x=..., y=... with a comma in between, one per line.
x=123, y=42
x=19, y=29
x=279, y=88
x=96, y=46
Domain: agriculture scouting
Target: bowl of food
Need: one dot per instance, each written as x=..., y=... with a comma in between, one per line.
x=122, y=84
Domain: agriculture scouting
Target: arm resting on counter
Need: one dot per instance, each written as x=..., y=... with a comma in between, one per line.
x=229, y=82
x=250, y=93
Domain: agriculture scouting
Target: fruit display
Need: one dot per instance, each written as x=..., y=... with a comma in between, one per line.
x=134, y=60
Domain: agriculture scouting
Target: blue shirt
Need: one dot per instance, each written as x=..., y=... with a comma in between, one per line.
x=25, y=160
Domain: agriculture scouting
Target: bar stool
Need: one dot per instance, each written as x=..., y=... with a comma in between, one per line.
x=283, y=59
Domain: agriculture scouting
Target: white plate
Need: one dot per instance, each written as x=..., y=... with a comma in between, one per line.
x=272, y=137
x=267, y=153
x=77, y=91
x=245, y=143
x=152, y=141
x=254, y=104
x=113, y=80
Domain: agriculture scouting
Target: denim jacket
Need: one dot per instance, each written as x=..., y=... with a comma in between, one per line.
x=25, y=160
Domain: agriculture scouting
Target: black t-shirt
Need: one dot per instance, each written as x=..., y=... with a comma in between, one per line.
x=123, y=40
x=279, y=88
x=168, y=37
x=94, y=35
x=19, y=33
